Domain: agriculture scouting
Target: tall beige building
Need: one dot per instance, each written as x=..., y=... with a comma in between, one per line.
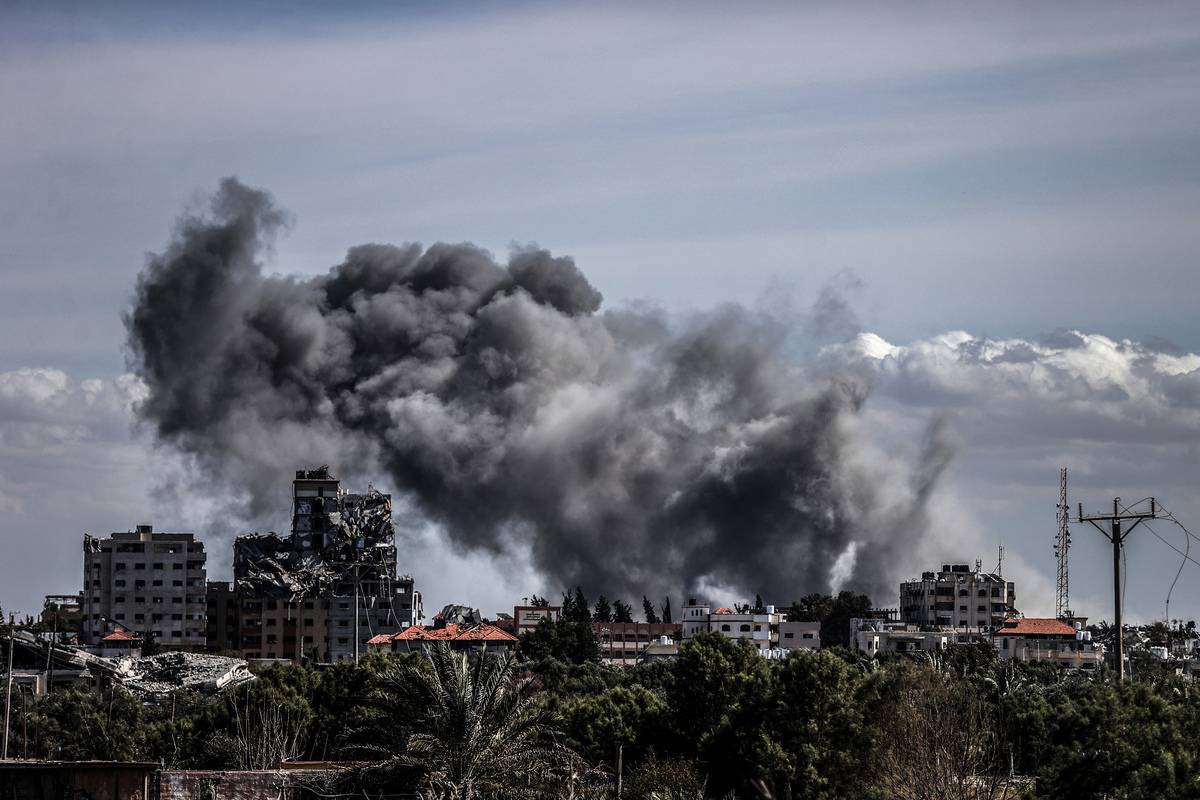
x=957, y=597
x=145, y=582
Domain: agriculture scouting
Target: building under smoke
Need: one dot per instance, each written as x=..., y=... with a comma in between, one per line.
x=333, y=581
x=511, y=411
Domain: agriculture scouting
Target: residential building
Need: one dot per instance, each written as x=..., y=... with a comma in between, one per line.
x=1052, y=640
x=151, y=583
x=662, y=649
x=621, y=643
x=63, y=615
x=873, y=636
x=800, y=635
x=957, y=597
x=327, y=589
x=760, y=627
x=222, y=635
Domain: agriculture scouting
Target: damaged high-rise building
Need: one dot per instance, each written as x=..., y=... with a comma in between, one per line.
x=321, y=593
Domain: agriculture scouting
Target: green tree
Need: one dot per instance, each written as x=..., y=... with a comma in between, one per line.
x=465, y=729
x=835, y=626
x=603, y=611
x=666, y=610
x=622, y=611
x=648, y=610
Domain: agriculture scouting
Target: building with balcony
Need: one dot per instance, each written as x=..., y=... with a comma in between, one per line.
x=146, y=582
x=1050, y=640
x=760, y=626
x=957, y=597
x=622, y=643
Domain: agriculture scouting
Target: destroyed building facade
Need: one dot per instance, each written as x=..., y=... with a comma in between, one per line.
x=146, y=582
x=321, y=593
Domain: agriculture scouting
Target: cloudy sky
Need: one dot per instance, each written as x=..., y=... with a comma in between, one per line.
x=1005, y=196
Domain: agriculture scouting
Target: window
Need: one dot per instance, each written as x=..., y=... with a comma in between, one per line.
x=140, y=565
x=139, y=599
x=744, y=628
x=962, y=609
x=156, y=583
x=158, y=565
x=173, y=583
x=119, y=599
x=120, y=584
x=119, y=566
x=725, y=627
x=789, y=635
x=177, y=565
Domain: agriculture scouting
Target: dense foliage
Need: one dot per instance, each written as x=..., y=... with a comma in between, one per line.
x=719, y=719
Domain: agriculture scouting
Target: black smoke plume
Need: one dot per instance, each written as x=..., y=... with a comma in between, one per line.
x=631, y=452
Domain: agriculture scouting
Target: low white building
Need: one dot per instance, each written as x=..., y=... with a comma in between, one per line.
x=759, y=627
x=800, y=635
x=872, y=636
x=1052, y=640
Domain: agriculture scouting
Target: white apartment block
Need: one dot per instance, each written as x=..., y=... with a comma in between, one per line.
x=872, y=636
x=759, y=627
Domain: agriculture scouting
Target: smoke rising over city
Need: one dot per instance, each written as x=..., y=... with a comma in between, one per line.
x=628, y=450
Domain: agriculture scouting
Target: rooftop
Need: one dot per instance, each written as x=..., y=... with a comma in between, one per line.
x=1034, y=626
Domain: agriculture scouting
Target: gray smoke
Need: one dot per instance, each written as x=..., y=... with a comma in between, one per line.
x=630, y=452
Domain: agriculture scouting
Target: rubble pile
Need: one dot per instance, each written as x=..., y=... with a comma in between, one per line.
x=357, y=534
x=160, y=675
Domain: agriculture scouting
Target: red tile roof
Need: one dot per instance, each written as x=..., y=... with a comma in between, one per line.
x=379, y=638
x=478, y=633
x=1032, y=626
x=120, y=636
x=722, y=610
x=421, y=633
x=485, y=633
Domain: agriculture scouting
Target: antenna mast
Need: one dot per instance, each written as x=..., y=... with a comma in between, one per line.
x=1062, y=543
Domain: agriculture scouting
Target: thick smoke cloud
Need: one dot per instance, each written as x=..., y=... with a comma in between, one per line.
x=629, y=451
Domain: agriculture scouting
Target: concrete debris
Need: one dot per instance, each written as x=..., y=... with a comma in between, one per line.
x=338, y=540
x=454, y=614
x=149, y=677
x=164, y=673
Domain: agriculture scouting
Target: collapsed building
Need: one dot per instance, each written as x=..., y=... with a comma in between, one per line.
x=42, y=664
x=321, y=593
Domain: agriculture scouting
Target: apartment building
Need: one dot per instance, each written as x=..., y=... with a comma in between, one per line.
x=873, y=636
x=151, y=583
x=957, y=597
x=328, y=588
x=760, y=627
x=622, y=643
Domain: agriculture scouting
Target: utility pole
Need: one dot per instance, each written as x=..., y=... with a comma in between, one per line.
x=8, y=690
x=50, y=652
x=1117, y=536
x=1062, y=543
x=356, y=631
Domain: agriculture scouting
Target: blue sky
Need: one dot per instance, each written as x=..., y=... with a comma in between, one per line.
x=1002, y=170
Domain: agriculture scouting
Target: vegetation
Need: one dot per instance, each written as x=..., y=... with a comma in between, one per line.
x=717, y=721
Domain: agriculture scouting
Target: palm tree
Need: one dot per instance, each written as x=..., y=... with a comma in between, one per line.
x=464, y=729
